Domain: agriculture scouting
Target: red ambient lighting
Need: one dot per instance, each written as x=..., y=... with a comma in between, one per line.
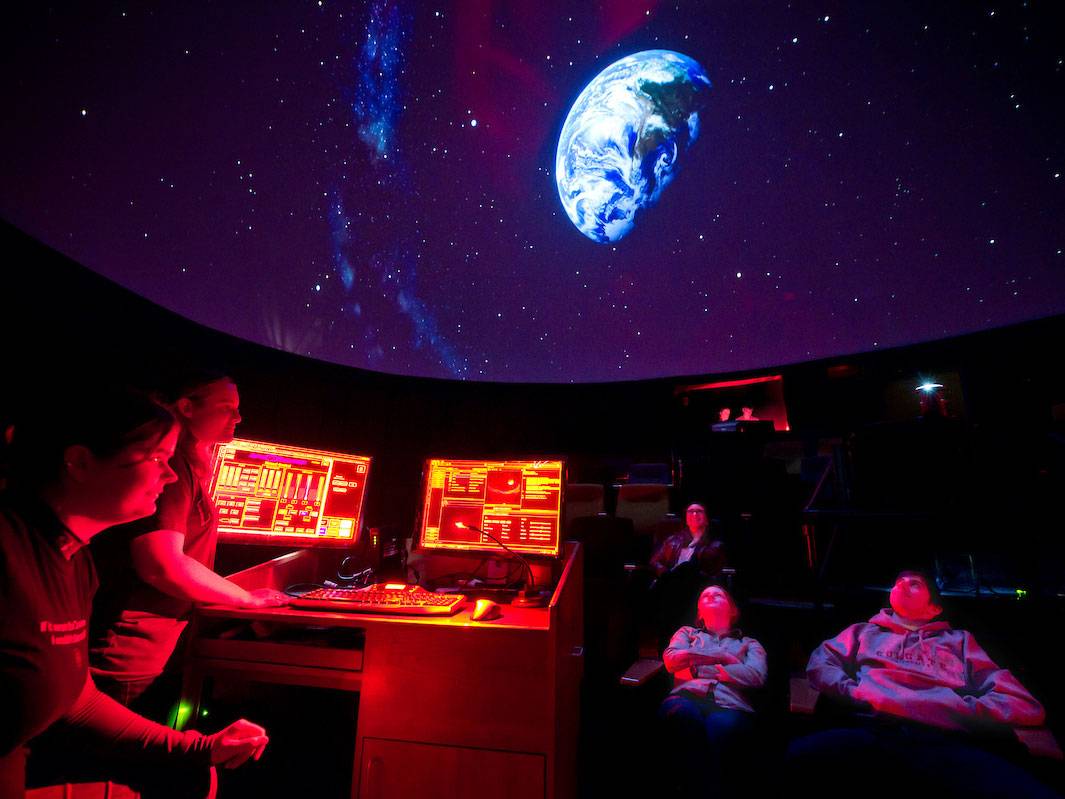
x=748, y=381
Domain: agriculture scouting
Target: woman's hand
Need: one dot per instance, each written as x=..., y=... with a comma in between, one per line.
x=266, y=598
x=232, y=746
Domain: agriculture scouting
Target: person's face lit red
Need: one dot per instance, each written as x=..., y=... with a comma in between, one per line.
x=716, y=609
x=212, y=413
x=911, y=598
x=126, y=486
x=696, y=519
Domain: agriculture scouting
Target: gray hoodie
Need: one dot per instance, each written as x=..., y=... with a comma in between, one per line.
x=934, y=675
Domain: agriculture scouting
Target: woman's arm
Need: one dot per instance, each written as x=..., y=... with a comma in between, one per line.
x=750, y=672
x=123, y=729
x=678, y=655
x=663, y=558
x=160, y=560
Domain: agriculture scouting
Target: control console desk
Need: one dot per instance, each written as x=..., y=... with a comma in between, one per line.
x=448, y=707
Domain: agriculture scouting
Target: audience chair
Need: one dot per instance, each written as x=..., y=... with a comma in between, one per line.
x=650, y=473
x=608, y=593
x=645, y=503
x=668, y=525
x=583, y=499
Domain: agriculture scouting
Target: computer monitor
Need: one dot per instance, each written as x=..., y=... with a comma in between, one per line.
x=517, y=501
x=283, y=495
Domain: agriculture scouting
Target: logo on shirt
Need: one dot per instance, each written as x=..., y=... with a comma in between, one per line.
x=935, y=659
x=65, y=633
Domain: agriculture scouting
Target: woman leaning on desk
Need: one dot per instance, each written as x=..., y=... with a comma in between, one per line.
x=154, y=570
x=76, y=469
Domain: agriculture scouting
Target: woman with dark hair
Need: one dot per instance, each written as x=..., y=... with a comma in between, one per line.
x=76, y=471
x=697, y=545
x=154, y=570
x=706, y=717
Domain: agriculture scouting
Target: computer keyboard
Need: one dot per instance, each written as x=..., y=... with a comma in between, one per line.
x=392, y=598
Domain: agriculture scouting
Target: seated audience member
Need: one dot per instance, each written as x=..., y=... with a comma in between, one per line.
x=929, y=708
x=75, y=471
x=153, y=570
x=708, y=714
x=681, y=566
x=695, y=546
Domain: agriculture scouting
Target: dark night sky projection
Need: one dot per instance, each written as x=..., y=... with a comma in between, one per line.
x=372, y=183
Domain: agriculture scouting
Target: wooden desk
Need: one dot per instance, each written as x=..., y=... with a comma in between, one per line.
x=448, y=707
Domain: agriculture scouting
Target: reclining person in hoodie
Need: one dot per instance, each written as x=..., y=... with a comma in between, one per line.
x=928, y=705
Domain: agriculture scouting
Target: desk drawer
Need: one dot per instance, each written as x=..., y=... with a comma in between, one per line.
x=290, y=652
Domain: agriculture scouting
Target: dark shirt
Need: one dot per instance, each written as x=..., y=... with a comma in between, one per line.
x=708, y=558
x=135, y=626
x=47, y=582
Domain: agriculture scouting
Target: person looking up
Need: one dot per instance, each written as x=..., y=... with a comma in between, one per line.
x=706, y=718
x=694, y=545
x=922, y=696
x=680, y=567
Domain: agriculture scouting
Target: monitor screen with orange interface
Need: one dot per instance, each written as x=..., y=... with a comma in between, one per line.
x=468, y=503
x=277, y=494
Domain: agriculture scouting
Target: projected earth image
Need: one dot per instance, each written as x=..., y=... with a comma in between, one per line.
x=623, y=138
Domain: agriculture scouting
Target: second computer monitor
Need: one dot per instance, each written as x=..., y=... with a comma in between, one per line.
x=467, y=503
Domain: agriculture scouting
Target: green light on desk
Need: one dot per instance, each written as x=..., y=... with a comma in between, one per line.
x=1021, y=593
x=179, y=716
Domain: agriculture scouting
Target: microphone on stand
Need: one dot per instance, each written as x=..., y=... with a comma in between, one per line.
x=528, y=596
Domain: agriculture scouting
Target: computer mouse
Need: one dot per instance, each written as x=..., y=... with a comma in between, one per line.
x=485, y=610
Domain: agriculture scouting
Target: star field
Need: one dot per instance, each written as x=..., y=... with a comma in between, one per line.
x=372, y=183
